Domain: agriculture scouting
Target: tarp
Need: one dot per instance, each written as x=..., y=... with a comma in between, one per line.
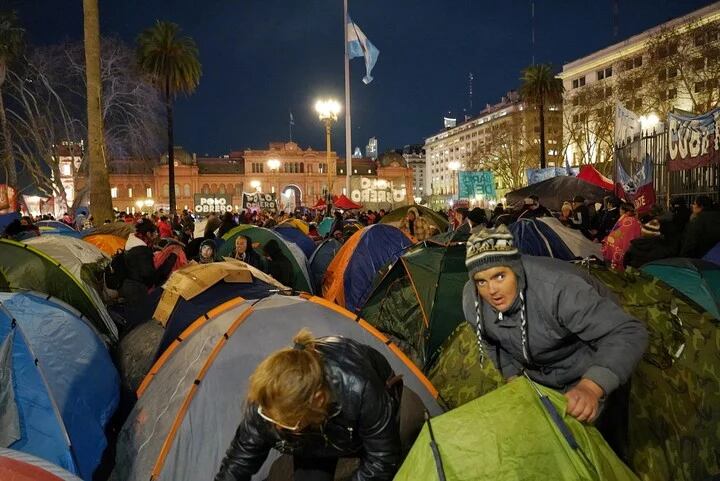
x=108, y=243
x=23, y=267
x=418, y=300
x=18, y=466
x=578, y=244
x=320, y=260
x=262, y=235
x=590, y=174
x=350, y=275
x=509, y=435
x=697, y=279
x=713, y=254
x=553, y=192
x=395, y=217
x=66, y=387
x=192, y=401
x=296, y=236
x=537, y=239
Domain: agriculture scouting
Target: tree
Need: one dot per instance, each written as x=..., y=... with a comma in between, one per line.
x=541, y=89
x=172, y=63
x=99, y=185
x=11, y=44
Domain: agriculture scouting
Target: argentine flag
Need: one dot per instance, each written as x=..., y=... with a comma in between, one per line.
x=360, y=46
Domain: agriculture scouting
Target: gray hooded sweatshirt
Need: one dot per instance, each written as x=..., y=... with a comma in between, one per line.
x=574, y=329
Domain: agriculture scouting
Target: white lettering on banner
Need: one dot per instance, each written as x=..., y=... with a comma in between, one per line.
x=205, y=205
x=690, y=136
x=377, y=191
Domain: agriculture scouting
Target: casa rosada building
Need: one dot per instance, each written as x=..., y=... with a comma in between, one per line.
x=139, y=185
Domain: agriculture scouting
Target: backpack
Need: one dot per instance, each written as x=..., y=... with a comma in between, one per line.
x=116, y=271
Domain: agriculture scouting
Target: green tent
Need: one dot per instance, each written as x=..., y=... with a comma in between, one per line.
x=395, y=217
x=22, y=267
x=509, y=435
x=262, y=236
x=418, y=300
x=697, y=279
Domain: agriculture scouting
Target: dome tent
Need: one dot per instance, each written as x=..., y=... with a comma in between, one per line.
x=395, y=217
x=553, y=192
x=108, y=243
x=189, y=410
x=297, y=237
x=63, y=387
x=321, y=259
x=53, y=227
x=23, y=267
x=18, y=466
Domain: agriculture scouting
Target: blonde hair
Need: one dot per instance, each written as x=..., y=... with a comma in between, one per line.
x=286, y=383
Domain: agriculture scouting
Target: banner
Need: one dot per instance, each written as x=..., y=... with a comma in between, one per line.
x=259, y=201
x=638, y=188
x=627, y=125
x=474, y=184
x=8, y=203
x=206, y=203
x=538, y=175
x=378, y=193
x=693, y=141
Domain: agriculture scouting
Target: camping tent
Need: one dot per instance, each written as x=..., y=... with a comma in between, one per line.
x=60, y=385
x=18, y=466
x=262, y=235
x=120, y=229
x=713, y=255
x=418, y=300
x=321, y=259
x=299, y=224
x=537, y=239
x=590, y=174
x=395, y=217
x=296, y=236
x=509, y=435
x=22, y=267
x=697, y=279
x=108, y=243
x=192, y=401
x=579, y=245
x=350, y=275
x=54, y=227
x=553, y=192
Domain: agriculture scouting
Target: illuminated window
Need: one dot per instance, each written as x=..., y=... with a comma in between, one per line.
x=148, y=191
x=113, y=192
x=130, y=192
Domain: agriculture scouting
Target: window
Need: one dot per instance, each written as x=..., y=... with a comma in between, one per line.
x=578, y=82
x=668, y=94
x=205, y=189
x=576, y=101
x=667, y=73
x=130, y=191
x=166, y=190
x=177, y=190
x=186, y=190
x=637, y=83
x=698, y=63
x=666, y=50
x=302, y=167
x=221, y=189
x=114, y=192
x=604, y=73
x=699, y=86
x=636, y=104
x=148, y=191
x=634, y=62
x=607, y=92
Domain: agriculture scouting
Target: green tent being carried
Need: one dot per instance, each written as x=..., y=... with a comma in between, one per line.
x=509, y=435
x=418, y=300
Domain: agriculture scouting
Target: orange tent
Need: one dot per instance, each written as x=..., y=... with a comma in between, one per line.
x=107, y=243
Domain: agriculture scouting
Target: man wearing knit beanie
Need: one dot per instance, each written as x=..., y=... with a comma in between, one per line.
x=548, y=318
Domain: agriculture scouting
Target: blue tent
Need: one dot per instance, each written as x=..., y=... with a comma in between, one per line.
x=321, y=259
x=291, y=234
x=54, y=227
x=58, y=385
x=713, y=255
x=6, y=219
x=538, y=239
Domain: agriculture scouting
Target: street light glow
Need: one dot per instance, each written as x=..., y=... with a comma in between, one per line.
x=327, y=109
x=255, y=184
x=274, y=164
x=649, y=121
x=454, y=165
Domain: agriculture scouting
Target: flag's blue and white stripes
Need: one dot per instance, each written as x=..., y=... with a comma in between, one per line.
x=360, y=46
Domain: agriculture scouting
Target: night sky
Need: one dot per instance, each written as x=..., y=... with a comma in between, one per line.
x=264, y=58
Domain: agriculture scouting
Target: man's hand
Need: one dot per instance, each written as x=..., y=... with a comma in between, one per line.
x=584, y=400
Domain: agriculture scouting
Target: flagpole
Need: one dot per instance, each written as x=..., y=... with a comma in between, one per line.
x=348, y=119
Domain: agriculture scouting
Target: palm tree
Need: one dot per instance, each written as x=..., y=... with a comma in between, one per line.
x=172, y=63
x=100, y=198
x=539, y=89
x=11, y=44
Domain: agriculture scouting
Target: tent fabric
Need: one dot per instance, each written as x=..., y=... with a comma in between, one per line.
x=262, y=235
x=23, y=267
x=713, y=255
x=120, y=229
x=553, y=192
x=298, y=224
x=296, y=236
x=342, y=202
x=395, y=217
x=590, y=174
x=350, y=275
x=54, y=227
x=697, y=279
x=509, y=435
x=320, y=260
x=71, y=253
x=671, y=425
x=419, y=299
x=192, y=402
x=325, y=225
x=536, y=239
x=66, y=386
x=54, y=224
x=578, y=244
x=7, y=219
x=108, y=243
x=19, y=466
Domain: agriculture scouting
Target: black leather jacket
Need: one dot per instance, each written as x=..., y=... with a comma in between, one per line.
x=363, y=419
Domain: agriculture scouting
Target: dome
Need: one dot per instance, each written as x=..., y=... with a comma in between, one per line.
x=182, y=156
x=392, y=159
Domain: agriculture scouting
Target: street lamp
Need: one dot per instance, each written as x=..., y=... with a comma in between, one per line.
x=454, y=165
x=274, y=166
x=328, y=111
x=648, y=122
x=255, y=184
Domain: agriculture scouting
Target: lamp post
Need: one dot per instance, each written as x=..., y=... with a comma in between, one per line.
x=328, y=111
x=255, y=184
x=274, y=166
x=454, y=166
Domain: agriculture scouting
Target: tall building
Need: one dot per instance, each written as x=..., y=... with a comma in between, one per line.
x=675, y=65
x=371, y=150
x=415, y=157
x=502, y=138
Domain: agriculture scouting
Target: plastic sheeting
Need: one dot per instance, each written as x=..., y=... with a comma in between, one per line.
x=193, y=401
x=18, y=466
x=66, y=386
